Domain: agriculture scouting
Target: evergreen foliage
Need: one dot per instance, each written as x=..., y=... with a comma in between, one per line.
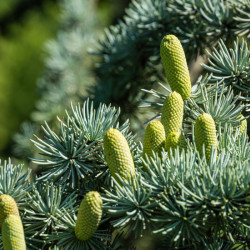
x=14, y=181
x=195, y=197
x=128, y=55
x=67, y=70
x=231, y=67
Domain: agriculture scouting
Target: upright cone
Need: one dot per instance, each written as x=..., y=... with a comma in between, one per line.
x=243, y=126
x=12, y=233
x=89, y=216
x=175, y=65
x=7, y=206
x=154, y=138
x=174, y=140
x=205, y=134
x=118, y=154
x=172, y=113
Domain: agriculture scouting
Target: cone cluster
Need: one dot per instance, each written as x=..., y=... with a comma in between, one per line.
x=175, y=65
x=11, y=225
x=177, y=74
x=167, y=133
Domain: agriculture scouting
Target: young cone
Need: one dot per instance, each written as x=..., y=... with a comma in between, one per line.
x=89, y=215
x=13, y=234
x=175, y=65
x=205, y=134
x=118, y=154
x=243, y=126
x=7, y=206
x=174, y=140
x=172, y=113
x=154, y=138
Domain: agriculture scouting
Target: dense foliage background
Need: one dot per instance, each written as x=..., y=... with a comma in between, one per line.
x=26, y=26
x=60, y=55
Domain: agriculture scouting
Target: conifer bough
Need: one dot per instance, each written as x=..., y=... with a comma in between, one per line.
x=172, y=113
x=89, y=215
x=13, y=234
x=7, y=206
x=118, y=155
x=154, y=138
x=175, y=65
x=205, y=134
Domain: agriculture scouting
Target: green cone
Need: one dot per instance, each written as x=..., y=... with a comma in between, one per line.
x=175, y=65
x=205, y=134
x=172, y=113
x=174, y=140
x=154, y=138
x=89, y=215
x=243, y=126
x=7, y=206
x=118, y=154
x=12, y=233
